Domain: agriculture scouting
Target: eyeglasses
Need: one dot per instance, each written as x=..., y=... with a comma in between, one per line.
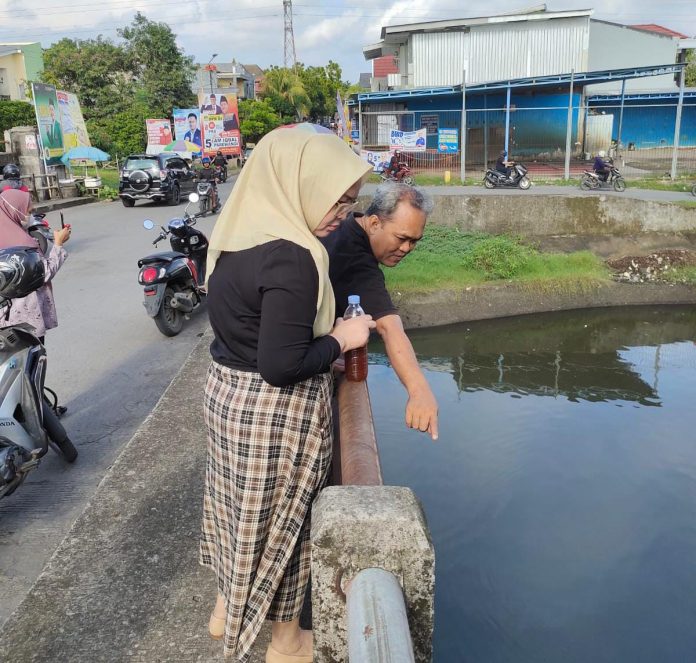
x=345, y=207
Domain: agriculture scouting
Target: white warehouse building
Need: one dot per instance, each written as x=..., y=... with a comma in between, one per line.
x=524, y=45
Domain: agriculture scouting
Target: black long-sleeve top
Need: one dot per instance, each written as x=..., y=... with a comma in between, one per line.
x=262, y=303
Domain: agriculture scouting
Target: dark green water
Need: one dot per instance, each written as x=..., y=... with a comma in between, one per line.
x=561, y=495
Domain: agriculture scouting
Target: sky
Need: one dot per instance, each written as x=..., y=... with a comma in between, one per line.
x=251, y=31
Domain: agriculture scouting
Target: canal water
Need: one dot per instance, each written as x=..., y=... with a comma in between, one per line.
x=561, y=494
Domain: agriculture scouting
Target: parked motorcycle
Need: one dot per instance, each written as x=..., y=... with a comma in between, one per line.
x=28, y=422
x=591, y=180
x=173, y=280
x=518, y=178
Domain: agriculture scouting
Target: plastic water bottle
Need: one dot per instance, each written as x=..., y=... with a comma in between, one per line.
x=355, y=360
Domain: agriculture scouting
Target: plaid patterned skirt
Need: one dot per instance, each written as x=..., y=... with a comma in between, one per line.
x=269, y=452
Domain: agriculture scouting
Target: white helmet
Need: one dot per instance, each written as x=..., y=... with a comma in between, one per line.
x=602, y=154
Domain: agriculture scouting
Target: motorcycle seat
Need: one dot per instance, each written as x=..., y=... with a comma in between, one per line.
x=165, y=256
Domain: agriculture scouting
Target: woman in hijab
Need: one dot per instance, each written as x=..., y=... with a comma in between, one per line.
x=267, y=398
x=38, y=308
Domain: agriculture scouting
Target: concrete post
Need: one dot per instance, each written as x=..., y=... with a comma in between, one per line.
x=677, y=125
x=26, y=147
x=462, y=138
x=569, y=127
x=361, y=527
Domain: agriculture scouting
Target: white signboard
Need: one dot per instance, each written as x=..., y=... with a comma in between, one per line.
x=408, y=141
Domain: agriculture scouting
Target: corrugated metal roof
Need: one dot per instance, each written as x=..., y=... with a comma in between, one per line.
x=658, y=29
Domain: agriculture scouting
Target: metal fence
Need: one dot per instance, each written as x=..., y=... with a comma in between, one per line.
x=640, y=137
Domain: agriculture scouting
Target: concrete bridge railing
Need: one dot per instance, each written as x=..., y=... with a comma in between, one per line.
x=373, y=562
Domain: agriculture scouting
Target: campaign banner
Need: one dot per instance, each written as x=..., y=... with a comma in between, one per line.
x=220, y=123
x=187, y=125
x=448, y=141
x=72, y=122
x=408, y=141
x=379, y=160
x=159, y=135
x=48, y=120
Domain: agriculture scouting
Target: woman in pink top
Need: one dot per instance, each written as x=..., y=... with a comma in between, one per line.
x=37, y=309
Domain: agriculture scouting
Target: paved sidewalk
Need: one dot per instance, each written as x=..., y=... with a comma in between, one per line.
x=62, y=203
x=125, y=584
x=550, y=190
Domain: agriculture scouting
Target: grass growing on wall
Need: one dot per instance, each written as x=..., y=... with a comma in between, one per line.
x=449, y=259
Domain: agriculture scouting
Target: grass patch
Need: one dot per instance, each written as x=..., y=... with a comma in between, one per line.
x=680, y=275
x=424, y=179
x=449, y=259
x=688, y=204
x=110, y=178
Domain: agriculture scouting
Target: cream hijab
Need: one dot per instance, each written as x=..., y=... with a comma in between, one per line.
x=291, y=181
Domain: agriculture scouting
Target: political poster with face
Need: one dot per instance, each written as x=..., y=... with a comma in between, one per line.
x=159, y=135
x=220, y=123
x=48, y=119
x=73, y=124
x=408, y=141
x=187, y=125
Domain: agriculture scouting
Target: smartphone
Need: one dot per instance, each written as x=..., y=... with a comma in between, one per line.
x=62, y=221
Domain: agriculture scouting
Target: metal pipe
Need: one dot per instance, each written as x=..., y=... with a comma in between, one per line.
x=359, y=456
x=462, y=165
x=621, y=111
x=377, y=623
x=485, y=132
x=677, y=125
x=569, y=127
x=360, y=127
x=507, y=122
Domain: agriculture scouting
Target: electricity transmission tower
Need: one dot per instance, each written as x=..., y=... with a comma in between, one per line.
x=290, y=59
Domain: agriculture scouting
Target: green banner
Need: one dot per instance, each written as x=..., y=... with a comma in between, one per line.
x=48, y=118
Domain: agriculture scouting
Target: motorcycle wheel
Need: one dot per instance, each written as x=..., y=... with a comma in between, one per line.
x=693, y=190
x=57, y=436
x=524, y=183
x=488, y=183
x=169, y=320
x=202, y=206
x=408, y=180
x=586, y=184
x=619, y=184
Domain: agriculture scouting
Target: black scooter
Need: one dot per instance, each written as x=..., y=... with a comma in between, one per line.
x=518, y=178
x=173, y=280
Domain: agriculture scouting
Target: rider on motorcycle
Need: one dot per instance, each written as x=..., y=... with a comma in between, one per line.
x=11, y=178
x=602, y=167
x=208, y=174
x=396, y=168
x=502, y=165
x=220, y=161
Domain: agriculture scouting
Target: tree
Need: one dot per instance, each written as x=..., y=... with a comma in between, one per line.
x=257, y=118
x=163, y=73
x=690, y=72
x=99, y=72
x=15, y=114
x=286, y=93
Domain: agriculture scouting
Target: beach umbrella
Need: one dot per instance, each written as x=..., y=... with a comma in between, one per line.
x=308, y=126
x=182, y=146
x=85, y=152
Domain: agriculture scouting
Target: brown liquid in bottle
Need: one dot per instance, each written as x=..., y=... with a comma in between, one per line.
x=356, y=364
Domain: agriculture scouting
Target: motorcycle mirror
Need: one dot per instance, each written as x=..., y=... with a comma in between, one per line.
x=148, y=224
x=194, y=197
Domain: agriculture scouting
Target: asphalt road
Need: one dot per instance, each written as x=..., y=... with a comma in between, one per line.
x=109, y=365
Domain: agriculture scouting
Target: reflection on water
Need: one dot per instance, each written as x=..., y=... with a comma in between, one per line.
x=562, y=492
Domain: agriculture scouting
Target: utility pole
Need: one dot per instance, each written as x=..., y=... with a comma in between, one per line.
x=289, y=57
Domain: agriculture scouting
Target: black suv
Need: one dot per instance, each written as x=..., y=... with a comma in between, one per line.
x=155, y=177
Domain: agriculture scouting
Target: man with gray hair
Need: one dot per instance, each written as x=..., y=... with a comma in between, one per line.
x=385, y=234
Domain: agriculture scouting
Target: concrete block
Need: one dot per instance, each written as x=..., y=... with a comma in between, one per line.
x=360, y=527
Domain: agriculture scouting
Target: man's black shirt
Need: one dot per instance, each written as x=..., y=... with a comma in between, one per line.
x=354, y=270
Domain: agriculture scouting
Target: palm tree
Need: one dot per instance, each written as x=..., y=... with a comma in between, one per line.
x=284, y=85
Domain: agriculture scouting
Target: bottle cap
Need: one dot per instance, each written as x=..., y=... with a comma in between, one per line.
x=354, y=299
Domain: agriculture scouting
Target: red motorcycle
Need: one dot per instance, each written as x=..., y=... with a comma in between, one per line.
x=404, y=175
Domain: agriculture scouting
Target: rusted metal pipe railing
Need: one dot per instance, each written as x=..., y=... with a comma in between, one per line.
x=357, y=447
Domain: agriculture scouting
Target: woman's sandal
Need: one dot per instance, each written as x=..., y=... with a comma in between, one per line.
x=216, y=626
x=274, y=656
